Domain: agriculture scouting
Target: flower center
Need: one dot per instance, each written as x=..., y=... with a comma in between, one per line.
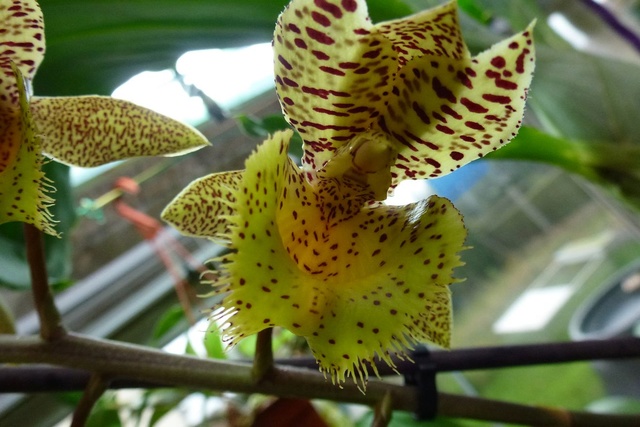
x=367, y=160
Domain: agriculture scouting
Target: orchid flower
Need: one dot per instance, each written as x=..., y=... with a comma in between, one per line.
x=314, y=249
x=83, y=131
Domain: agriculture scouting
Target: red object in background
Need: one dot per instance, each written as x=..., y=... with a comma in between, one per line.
x=152, y=231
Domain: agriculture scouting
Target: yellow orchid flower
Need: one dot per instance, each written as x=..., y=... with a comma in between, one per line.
x=410, y=86
x=314, y=249
x=82, y=131
x=367, y=285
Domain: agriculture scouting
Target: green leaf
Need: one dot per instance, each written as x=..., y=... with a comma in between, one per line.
x=535, y=145
x=581, y=96
x=474, y=9
x=104, y=417
x=7, y=323
x=14, y=269
x=615, y=167
x=247, y=346
x=168, y=322
x=95, y=45
x=262, y=128
x=213, y=342
x=105, y=412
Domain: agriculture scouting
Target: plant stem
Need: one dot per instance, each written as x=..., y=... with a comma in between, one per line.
x=145, y=364
x=153, y=366
x=263, y=359
x=51, y=327
x=383, y=412
x=95, y=388
x=506, y=356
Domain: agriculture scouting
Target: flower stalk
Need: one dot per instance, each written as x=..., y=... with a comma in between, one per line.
x=51, y=327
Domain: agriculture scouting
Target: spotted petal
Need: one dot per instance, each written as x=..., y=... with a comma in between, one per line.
x=94, y=130
x=330, y=72
x=365, y=287
x=23, y=186
x=203, y=207
x=435, y=31
x=453, y=111
x=22, y=42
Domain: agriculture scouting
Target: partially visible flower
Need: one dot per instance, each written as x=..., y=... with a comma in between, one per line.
x=315, y=250
x=83, y=131
x=407, y=90
x=367, y=286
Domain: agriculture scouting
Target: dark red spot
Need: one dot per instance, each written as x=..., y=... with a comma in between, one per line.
x=320, y=19
x=445, y=129
x=456, y=155
x=464, y=79
x=319, y=36
x=284, y=62
x=442, y=91
x=422, y=115
x=498, y=62
x=498, y=99
x=472, y=106
x=329, y=7
x=433, y=162
x=350, y=5
x=520, y=61
x=474, y=125
x=348, y=65
x=332, y=70
x=289, y=82
x=320, y=55
x=300, y=43
x=450, y=111
x=294, y=28
x=371, y=54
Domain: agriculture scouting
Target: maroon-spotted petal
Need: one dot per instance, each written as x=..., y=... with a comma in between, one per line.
x=332, y=76
x=21, y=41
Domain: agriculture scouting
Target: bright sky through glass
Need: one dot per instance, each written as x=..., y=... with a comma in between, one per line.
x=228, y=76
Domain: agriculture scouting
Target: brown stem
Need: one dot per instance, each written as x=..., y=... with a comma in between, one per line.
x=51, y=327
x=263, y=359
x=153, y=366
x=383, y=412
x=94, y=389
x=505, y=356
